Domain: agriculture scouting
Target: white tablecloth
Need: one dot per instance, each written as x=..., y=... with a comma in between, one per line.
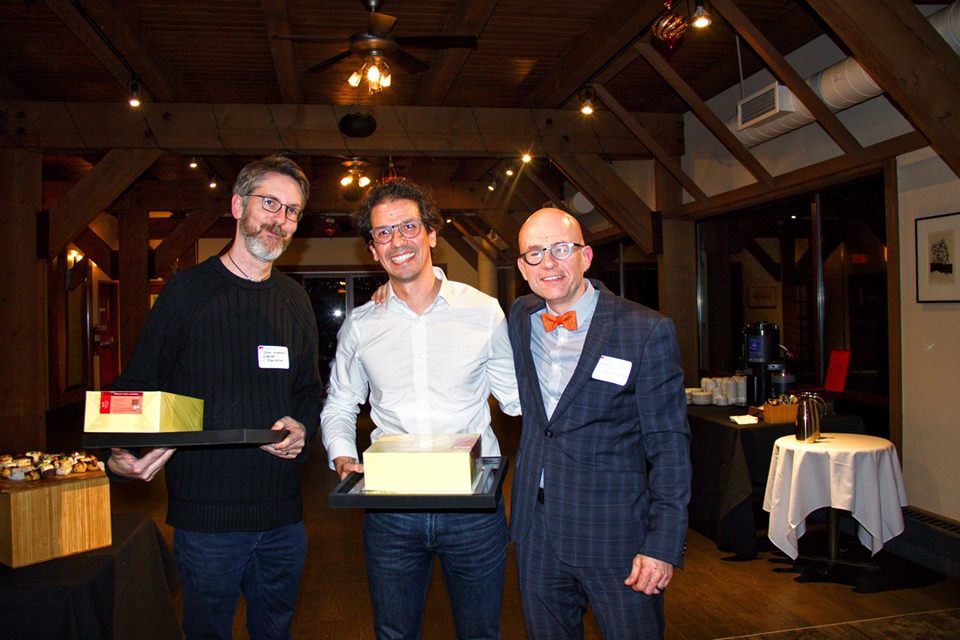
x=858, y=473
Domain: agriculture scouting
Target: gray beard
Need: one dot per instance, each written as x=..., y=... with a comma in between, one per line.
x=257, y=246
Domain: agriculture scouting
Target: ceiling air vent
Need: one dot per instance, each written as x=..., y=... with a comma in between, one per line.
x=770, y=102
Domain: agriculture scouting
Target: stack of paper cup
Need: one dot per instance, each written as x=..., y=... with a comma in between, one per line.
x=741, y=389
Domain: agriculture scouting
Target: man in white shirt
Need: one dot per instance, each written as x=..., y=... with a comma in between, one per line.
x=428, y=358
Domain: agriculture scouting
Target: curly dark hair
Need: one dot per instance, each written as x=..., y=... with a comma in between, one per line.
x=396, y=190
x=253, y=174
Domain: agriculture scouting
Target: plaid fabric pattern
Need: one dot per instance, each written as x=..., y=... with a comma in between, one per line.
x=615, y=459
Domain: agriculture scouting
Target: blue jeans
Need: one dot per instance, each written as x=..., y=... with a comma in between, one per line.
x=399, y=548
x=215, y=568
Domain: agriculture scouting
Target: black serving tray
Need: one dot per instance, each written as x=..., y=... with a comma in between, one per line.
x=183, y=438
x=350, y=493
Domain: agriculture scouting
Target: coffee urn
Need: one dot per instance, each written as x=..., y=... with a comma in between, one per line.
x=761, y=343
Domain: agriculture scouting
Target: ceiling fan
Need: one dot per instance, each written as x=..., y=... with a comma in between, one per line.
x=378, y=41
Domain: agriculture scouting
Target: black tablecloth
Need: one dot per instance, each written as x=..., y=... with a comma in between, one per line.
x=730, y=465
x=121, y=591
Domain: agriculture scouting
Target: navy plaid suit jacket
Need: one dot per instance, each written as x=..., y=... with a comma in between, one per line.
x=615, y=459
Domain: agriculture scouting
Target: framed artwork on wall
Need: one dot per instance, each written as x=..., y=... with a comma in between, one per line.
x=937, y=277
x=762, y=297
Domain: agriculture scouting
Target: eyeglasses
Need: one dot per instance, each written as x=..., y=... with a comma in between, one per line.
x=560, y=251
x=407, y=229
x=272, y=205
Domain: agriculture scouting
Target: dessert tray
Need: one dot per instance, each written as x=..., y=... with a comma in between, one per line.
x=350, y=493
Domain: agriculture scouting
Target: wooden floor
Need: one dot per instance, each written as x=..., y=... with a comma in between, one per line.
x=712, y=597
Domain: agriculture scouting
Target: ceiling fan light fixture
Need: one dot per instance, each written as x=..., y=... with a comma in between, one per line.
x=346, y=180
x=701, y=17
x=355, y=78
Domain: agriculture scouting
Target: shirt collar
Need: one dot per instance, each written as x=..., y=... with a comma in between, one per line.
x=446, y=293
x=586, y=303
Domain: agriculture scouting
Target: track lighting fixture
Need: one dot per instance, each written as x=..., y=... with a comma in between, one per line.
x=193, y=162
x=213, y=181
x=492, y=186
x=526, y=158
x=587, y=99
x=134, y=90
x=701, y=18
x=509, y=172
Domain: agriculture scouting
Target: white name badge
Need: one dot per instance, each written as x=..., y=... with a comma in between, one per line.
x=615, y=370
x=273, y=357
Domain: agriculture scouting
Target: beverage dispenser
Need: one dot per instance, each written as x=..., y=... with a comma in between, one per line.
x=761, y=344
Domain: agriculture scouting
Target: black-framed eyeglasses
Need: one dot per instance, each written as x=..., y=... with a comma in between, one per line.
x=272, y=205
x=407, y=229
x=560, y=251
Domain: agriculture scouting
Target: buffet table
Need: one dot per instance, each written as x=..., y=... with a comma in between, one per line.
x=121, y=591
x=730, y=464
x=857, y=473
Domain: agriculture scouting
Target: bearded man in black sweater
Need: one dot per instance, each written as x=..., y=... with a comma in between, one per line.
x=243, y=338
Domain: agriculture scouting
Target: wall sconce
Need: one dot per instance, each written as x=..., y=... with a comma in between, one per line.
x=587, y=100
x=377, y=73
x=701, y=18
x=134, y=90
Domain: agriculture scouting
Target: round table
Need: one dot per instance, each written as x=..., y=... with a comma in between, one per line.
x=857, y=473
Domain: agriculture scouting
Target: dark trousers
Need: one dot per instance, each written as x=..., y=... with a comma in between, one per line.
x=555, y=595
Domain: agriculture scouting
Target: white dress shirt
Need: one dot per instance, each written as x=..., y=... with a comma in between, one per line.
x=427, y=373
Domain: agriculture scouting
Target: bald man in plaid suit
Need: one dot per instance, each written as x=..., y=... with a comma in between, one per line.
x=599, y=498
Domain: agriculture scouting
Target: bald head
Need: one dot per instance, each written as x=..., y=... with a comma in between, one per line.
x=559, y=281
x=550, y=221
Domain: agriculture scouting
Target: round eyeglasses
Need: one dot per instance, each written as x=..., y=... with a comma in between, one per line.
x=407, y=229
x=559, y=251
x=272, y=205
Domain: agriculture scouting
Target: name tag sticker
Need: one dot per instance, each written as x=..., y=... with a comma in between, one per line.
x=615, y=370
x=273, y=357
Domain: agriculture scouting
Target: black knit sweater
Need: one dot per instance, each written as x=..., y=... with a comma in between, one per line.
x=201, y=340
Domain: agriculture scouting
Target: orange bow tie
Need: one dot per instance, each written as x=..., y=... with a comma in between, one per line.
x=568, y=320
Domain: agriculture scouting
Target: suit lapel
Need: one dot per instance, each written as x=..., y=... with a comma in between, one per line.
x=527, y=374
x=600, y=327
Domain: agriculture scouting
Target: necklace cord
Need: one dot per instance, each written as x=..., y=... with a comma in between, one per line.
x=242, y=272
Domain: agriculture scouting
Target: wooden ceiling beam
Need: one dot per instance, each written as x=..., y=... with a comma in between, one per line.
x=238, y=129
x=503, y=225
x=610, y=194
x=911, y=62
x=456, y=240
x=478, y=245
x=184, y=236
x=95, y=248
x=120, y=47
x=824, y=173
x=704, y=113
x=276, y=17
x=93, y=194
x=789, y=76
x=650, y=142
x=468, y=18
x=589, y=53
